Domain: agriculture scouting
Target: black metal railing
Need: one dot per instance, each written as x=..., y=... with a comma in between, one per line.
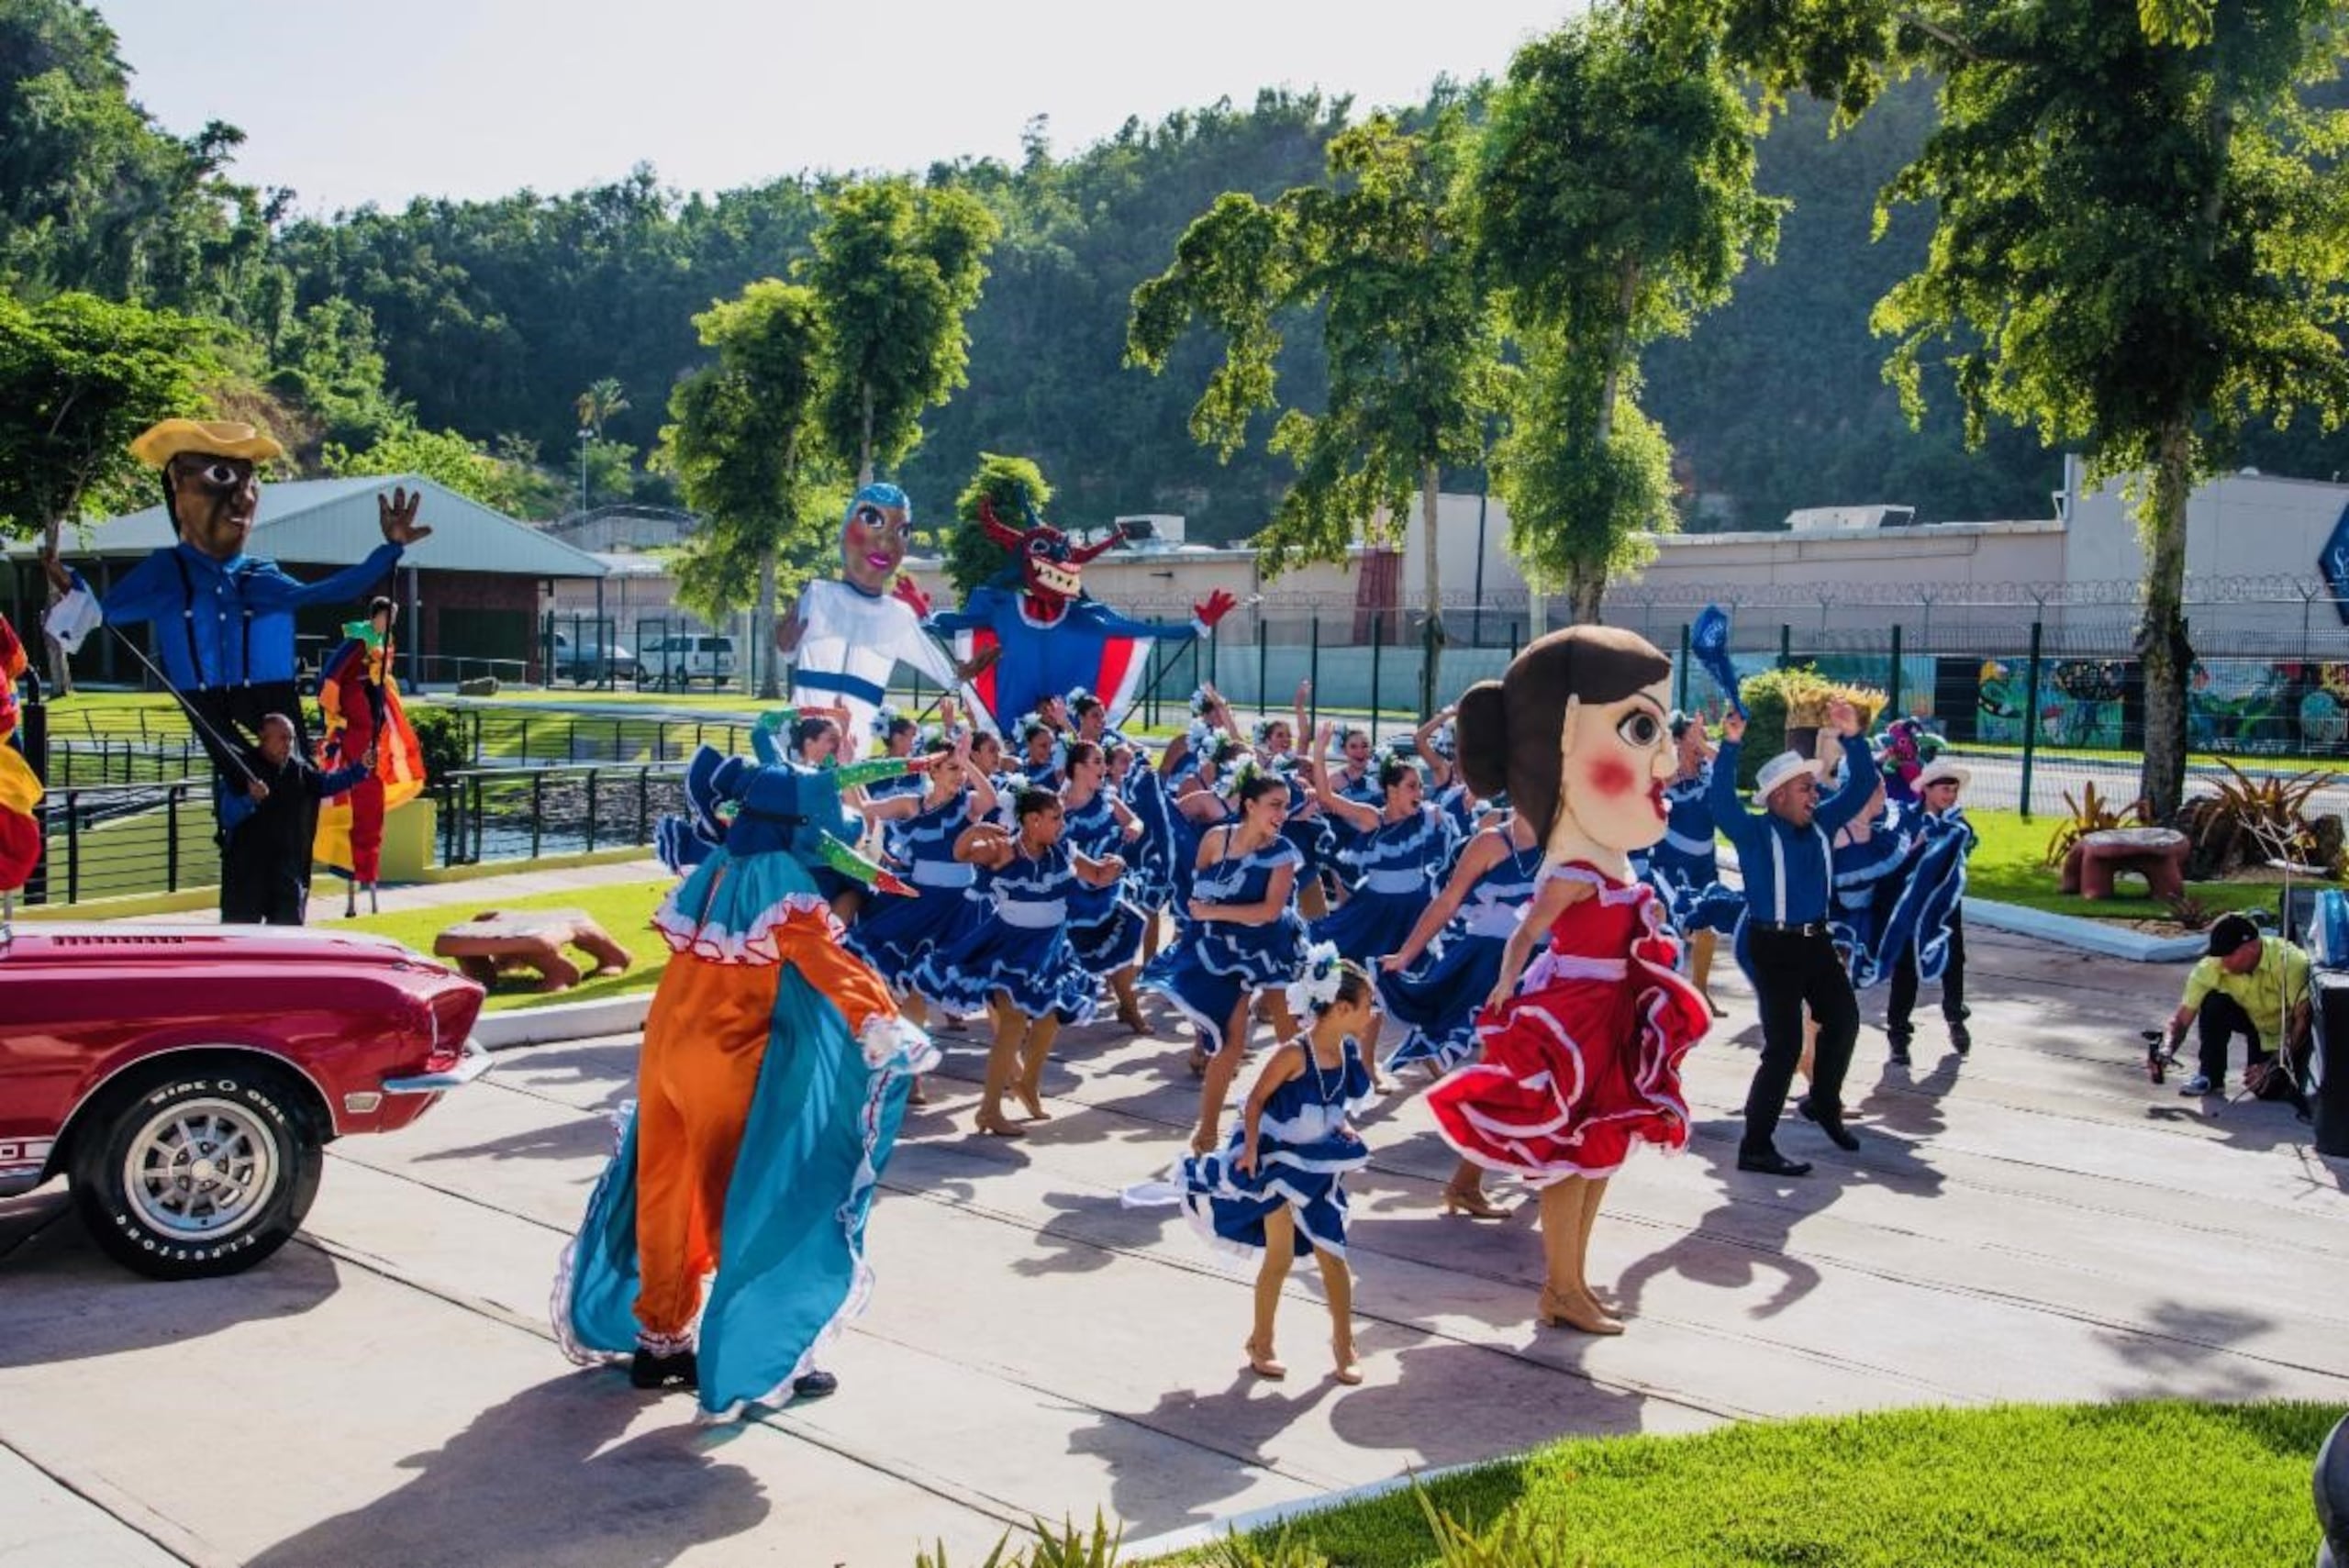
x=495, y=813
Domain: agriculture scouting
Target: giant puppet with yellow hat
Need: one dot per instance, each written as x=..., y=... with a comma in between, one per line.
x=223, y=619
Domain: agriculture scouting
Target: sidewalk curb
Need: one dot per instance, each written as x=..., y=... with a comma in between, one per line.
x=1190, y=1538
x=2088, y=936
x=564, y=1020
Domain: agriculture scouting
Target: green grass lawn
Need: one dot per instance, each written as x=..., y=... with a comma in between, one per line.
x=2015, y=1487
x=623, y=909
x=2010, y=865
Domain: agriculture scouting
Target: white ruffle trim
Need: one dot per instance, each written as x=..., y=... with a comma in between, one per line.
x=713, y=943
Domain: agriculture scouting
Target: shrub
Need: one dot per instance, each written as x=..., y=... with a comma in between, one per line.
x=441, y=735
x=1795, y=697
x=2093, y=813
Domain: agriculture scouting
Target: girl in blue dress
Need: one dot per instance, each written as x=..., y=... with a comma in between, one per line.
x=1437, y=746
x=1275, y=1191
x=1398, y=853
x=1038, y=746
x=1242, y=938
x=895, y=932
x=1103, y=926
x=1016, y=960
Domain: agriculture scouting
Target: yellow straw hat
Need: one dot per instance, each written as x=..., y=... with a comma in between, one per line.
x=158, y=444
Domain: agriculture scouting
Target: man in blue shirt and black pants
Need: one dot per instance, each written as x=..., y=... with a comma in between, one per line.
x=1784, y=853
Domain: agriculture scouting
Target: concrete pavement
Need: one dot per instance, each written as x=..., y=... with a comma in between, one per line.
x=2033, y=1223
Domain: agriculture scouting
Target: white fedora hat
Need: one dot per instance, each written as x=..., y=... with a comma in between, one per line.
x=1940, y=771
x=1779, y=770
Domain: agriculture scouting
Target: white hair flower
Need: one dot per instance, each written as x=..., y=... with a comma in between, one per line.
x=1317, y=987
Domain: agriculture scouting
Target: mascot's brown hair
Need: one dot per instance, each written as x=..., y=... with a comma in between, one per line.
x=1510, y=730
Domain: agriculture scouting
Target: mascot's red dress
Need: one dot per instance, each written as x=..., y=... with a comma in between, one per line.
x=1585, y=1060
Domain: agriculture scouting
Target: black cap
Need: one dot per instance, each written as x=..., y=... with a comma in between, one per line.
x=2232, y=931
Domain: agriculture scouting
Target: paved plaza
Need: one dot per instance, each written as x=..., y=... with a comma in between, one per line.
x=2035, y=1223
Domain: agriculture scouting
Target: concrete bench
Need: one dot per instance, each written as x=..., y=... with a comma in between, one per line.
x=2157, y=855
x=494, y=943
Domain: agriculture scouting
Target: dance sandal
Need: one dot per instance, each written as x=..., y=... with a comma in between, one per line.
x=994, y=1126
x=1033, y=1102
x=1349, y=1367
x=1578, y=1312
x=1131, y=1016
x=1262, y=1363
x=1472, y=1201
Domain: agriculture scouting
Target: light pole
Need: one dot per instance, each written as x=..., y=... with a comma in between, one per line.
x=586, y=434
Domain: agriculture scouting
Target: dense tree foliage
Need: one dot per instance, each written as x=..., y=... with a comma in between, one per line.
x=487, y=318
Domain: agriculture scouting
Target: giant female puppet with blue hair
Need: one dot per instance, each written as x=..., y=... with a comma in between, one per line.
x=773, y=1079
x=847, y=635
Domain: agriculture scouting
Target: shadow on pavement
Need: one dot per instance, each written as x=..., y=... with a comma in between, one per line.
x=67, y=1301
x=542, y=1480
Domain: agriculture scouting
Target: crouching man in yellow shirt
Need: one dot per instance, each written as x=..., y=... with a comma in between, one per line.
x=2251, y=985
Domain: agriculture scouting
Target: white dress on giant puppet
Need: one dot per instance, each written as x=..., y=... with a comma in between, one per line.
x=853, y=638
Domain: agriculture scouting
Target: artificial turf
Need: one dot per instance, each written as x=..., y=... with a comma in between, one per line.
x=2013, y=1486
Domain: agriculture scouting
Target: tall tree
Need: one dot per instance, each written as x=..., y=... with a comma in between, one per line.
x=1613, y=202
x=79, y=378
x=2139, y=244
x=1413, y=352
x=1585, y=493
x=740, y=444
x=899, y=270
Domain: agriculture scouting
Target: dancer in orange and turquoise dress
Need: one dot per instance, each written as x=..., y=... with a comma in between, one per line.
x=770, y=1089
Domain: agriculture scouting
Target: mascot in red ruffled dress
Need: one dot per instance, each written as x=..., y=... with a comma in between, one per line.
x=1581, y=1062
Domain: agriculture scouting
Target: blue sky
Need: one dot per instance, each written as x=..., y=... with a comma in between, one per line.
x=349, y=102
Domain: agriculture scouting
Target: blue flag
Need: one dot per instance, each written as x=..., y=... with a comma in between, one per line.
x=1708, y=639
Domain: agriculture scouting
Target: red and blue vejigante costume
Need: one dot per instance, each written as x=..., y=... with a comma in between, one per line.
x=1051, y=636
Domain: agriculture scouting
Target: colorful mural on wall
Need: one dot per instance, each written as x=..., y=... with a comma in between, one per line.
x=2234, y=706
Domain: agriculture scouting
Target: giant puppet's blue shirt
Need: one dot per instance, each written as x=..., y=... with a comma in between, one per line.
x=1090, y=645
x=230, y=623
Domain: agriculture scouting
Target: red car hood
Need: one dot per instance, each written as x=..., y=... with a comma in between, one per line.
x=118, y=942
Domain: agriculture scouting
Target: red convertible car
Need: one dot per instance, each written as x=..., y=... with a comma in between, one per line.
x=187, y=1079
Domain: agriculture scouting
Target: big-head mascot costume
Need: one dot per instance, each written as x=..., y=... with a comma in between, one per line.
x=1047, y=636
x=847, y=635
x=19, y=785
x=224, y=620
x=358, y=708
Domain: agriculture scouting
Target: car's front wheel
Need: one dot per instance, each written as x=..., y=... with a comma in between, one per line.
x=188, y=1173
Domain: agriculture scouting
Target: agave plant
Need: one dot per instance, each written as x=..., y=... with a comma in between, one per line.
x=2093, y=813
x=2247, y=819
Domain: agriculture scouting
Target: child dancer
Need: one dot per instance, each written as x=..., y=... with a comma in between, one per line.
x=1016, y=960
x=1276, y=1190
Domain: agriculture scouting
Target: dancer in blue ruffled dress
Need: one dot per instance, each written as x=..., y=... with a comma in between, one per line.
x=1468, y=926
x=1685, y=864
x=1275, y=1191
x=893, y=933
x=1398, y=854
x=1016, y=961
x=1437, y=747
x=1103, y=926
x=1242, y=937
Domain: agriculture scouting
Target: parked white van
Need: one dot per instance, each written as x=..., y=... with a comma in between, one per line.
x=684, y=657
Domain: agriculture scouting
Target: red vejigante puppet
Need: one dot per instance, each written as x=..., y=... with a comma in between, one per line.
x=1050, y=636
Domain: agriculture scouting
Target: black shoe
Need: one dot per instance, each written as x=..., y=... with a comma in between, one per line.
x=1900, y=1049
x=1843, y=1138
x=814, y=1386
x=650, y=1371
x=1960, y=1041
x=1770, y=1163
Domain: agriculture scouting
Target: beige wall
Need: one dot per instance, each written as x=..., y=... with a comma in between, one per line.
x=2236, y=525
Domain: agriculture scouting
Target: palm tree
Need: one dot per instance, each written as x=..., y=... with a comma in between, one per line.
x=599, y=403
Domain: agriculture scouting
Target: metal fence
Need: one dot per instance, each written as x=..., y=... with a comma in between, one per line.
x=123, y=841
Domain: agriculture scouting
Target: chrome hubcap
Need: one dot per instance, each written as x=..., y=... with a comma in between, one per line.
x=199, y=1171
